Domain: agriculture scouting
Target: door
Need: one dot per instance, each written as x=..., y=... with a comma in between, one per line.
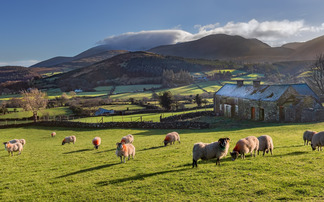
x=252, y=113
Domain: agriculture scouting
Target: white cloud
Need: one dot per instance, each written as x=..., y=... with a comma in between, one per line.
x=24, y=63
x=274, y=33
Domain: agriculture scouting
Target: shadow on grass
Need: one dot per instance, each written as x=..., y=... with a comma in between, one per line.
x=137, y=177
x=77, y=151
x=88, y=169
x=157, y=147
x=108, y=150
x=296, y=153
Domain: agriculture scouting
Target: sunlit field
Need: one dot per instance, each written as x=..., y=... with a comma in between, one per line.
x=48, y=171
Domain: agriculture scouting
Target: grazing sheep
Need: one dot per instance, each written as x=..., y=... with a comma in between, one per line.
x=245, y=145
x=207, y=151
x=13, y=147
x=308, y=135
x=96, y=142
x=22, y=141
x=171, y=138
x=69, y=139
x=125, y=150
x=53, y=134
x=127, y=139
x=265, y=144
x=318, y=141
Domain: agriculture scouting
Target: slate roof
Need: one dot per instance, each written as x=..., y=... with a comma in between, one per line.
x=263, y=92
x=101, y=111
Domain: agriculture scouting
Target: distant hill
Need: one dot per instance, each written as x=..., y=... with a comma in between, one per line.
x=308, y=50
x=16, y=73
x=225, y=47
x=129, y=68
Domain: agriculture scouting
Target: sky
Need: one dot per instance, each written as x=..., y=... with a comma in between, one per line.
x=36, y=30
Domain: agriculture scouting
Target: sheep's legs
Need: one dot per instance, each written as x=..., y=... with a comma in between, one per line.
x=194, y=163
x=217, y=161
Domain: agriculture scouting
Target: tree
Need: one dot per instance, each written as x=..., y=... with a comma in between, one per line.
x=316, y=77
x=34, y=100
x=166, y=100
x=198, y=100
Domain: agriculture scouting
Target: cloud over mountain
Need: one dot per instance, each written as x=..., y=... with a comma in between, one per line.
x=274, y=33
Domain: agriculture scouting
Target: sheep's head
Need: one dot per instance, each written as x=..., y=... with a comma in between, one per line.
x=313, y=147
x=96, y=146
x=234, y=155
x=120, y=145
x=63, y=142
x=223, y=141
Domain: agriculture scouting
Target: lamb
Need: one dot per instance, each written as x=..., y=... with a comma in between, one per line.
x=265, y=144
x=171, y=138
x=13, y=147
x=125, y=150
x=308, y=135
x=207, y=151
x=53, y=134
x=69, y=139
x=127, y=139
x=245, y=145
x=318, y=141
x=96, y=142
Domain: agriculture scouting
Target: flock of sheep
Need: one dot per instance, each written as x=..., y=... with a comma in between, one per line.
x=251, y=144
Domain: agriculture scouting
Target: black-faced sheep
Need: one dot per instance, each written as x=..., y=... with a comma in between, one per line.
x=265, y=144
x=127, y=139
x=318, y=141
x=125, y=150
x=53, y=134
x=245, y=145
x=308, y=135
x=171, y=138
x=13, y=147
x=69, y=139
x=207, y=151
x=96, y=142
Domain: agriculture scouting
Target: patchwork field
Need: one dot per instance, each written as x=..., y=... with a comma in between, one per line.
x=48, y=171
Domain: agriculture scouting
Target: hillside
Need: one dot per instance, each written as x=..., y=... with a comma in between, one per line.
x=225, y=47
x=16, y=73
x=128, y=68
x=308, y=50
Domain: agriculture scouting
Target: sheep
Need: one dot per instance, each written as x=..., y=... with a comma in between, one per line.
x=318, y=141
x=53, y=134
x=125, y=150
x=265, y=144
x=308, y=134
x=127, y=139
x=96, y=142
x=13, y=147
x=207, y=151
x=245, y=145
x=171, y=138
x=22, y=141
x=69, y=139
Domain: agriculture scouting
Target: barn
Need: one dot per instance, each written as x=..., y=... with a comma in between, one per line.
x=268, y=103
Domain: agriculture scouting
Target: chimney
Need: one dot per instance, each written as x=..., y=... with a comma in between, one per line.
x=239, y=83
x=256, y=84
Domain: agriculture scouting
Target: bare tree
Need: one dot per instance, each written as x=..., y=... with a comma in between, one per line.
x=316, y=76
x=34, y=100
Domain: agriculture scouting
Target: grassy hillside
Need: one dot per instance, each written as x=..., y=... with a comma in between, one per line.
x=46, y=170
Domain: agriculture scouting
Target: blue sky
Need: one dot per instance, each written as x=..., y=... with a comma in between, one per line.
x=36, y=30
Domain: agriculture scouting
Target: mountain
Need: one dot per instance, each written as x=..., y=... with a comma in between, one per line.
x=128, y=68
x=225, y=47
x=308, y=50
x=16, y=73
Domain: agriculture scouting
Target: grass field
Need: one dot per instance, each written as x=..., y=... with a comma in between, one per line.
x=58, y=111
x=48, y=171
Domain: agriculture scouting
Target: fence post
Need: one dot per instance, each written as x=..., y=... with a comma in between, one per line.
x=141, y=119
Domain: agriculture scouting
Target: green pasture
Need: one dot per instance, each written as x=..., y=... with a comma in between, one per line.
x=58, y=111
x=249, y=77
x=48, y=171
x=154, y=117
x=135, y=88
x=120, y=107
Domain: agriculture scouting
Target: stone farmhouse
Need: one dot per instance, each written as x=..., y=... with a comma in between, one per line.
x=268, y=103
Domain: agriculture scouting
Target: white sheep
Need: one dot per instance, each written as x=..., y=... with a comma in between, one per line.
x=265, y=144
x=13, y=147
x=125, y=150
x=127, y=139
x=207, y=151
x=245, y=145
x=96, y=142
x=22, y=141
x=308, y=135
x=69, y=139
x=171, y=138
x=318, y=141
x=53, y=134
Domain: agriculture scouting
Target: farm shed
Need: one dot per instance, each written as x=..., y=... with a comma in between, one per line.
x=268, y=103
x=102, y=111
